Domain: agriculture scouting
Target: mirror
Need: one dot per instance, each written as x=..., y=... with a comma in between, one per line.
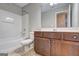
x=61, y=19
x=61, y=15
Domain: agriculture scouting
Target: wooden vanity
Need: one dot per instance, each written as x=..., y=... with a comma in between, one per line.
x=56, y=43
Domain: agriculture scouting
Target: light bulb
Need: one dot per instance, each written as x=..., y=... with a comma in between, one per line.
x=51, y=4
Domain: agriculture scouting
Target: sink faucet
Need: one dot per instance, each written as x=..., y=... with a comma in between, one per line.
x=54, y=29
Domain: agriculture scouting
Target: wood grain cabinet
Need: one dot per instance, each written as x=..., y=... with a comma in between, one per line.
x=70, y=44
x=70, y=48
x=71, y=36
x=56, y=43
x=55, y=48
x=42, y=46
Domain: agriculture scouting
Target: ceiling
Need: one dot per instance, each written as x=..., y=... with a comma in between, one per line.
x=44, y=6
x=21, y=4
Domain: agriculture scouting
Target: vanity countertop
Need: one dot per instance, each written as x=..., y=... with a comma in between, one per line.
x=59, y=29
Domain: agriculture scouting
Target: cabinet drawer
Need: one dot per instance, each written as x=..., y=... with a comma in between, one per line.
x=51, y=35
x=71, y=36
x=37, y=34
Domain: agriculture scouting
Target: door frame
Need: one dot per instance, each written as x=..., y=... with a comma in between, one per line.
x=56, y=13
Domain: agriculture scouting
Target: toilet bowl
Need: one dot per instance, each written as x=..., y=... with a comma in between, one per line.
x=28, y=41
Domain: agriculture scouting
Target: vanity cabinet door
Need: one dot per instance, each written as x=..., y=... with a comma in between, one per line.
x=55, y=47
x=42, y=46
x=52, y=47
x=70, y=48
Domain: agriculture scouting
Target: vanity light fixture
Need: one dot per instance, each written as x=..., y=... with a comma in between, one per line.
x=51, y=4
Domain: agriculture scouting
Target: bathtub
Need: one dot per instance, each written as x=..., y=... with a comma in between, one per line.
x=9, y=44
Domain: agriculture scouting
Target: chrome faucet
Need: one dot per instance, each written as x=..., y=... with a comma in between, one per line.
x=54, y=29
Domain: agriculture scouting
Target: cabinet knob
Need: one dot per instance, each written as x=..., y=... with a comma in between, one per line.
x=75, y=36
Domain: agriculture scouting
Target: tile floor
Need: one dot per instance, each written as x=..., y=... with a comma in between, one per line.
x=21, y=52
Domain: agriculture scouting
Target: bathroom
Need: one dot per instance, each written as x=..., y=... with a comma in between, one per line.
x=19, y=21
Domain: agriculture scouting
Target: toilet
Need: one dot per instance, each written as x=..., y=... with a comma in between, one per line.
x=28, y=41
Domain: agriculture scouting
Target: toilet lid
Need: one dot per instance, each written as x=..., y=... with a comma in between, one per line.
x=28, y=41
